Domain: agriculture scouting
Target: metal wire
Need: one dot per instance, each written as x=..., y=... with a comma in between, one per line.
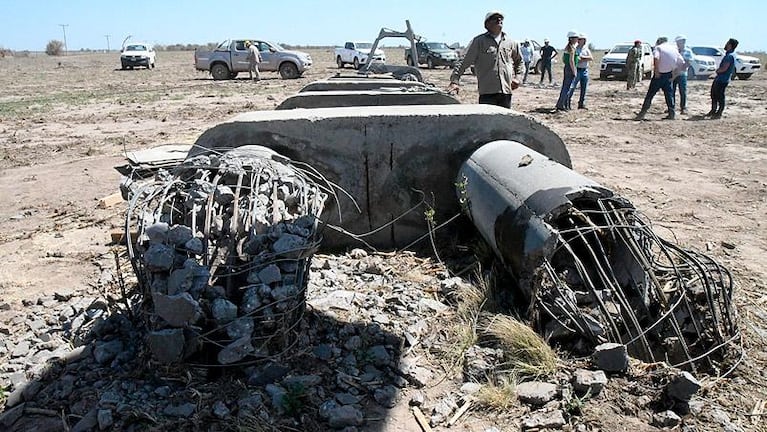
x=256, y=183
x=611, y=277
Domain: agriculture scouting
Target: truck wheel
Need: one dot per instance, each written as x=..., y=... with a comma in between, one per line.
x=339, y=62
x=538, y=67
x=288, y=71
x=356, y=63
x=744, y=76
x=219, y=71
x=430, y=63
x=410, y=61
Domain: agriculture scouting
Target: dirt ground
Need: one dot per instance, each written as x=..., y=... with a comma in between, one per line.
x=65, y=122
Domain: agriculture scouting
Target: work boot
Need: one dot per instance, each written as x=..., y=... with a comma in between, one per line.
x=710, y=113
x=716, y=116
x=683, y=111
x=670, y=116
x=640, y=115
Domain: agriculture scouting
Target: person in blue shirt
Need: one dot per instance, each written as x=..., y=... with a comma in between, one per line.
x=723, y=76
x=527, y=57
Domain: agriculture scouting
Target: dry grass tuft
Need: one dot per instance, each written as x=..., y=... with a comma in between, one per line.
x=499, y=395
x=463, y=331
x=526, y=353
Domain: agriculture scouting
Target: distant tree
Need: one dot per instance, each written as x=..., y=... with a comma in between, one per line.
x=54, y=48
x=591, y=47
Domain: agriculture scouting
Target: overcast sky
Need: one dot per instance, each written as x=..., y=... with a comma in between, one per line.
x=29, y=25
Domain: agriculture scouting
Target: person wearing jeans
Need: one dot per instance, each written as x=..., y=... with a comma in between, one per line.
x=527, y=57
x=570, y=59
x=723, y=76
x=667, y=60
x=680, y=81
x=581, y=72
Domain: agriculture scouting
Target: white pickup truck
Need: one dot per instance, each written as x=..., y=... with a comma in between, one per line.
x=356, y=54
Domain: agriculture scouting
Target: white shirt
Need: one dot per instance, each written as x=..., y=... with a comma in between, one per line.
x=667, y=57
x=584, y=52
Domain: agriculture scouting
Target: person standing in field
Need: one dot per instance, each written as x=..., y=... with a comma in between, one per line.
x=723, y=77
x=633, y=61
x=497, y=63
x=680, y=80
x=548, y=53
x=583, y=54
x=667, y=60
x=254, y=58
x=570, y=59
x=527, y=57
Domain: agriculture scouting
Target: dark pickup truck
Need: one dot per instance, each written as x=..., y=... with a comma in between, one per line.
x=432, y=54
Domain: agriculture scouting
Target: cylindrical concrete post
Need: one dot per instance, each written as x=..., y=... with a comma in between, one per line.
x=512, y=194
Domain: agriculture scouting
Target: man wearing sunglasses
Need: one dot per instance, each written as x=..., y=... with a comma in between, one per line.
x=497, y=63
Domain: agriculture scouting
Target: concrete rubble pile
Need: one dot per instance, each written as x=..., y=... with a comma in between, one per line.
x=222, y=250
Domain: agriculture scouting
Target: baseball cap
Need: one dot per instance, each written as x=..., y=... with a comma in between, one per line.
x=680, y=38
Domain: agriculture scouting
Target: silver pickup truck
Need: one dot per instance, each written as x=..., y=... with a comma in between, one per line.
x=231, y=57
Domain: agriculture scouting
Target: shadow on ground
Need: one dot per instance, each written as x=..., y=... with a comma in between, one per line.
x=338, y=374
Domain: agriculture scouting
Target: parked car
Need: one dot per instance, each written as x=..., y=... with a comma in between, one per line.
x=701, y=67
x=137, y=54
x=356, y=54
x=614, y=62
x=535, y=63
x=432, y=54
x=231, y=57
x=745, y=66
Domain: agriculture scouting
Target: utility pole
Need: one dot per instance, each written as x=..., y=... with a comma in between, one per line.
x=107, y=36
x=64, y=29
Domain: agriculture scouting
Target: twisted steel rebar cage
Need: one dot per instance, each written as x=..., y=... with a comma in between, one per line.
x=228, y=237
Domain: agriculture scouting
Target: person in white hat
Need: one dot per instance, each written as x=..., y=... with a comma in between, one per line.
x=497, y=63
x=548, y=53
x=680, y=78
x=583, y=54
x=570, y=59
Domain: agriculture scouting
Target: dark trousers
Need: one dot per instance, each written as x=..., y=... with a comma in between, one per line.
x=500, y=99
x=563, y=103
x=545, y=67
x=717, y=97
x=662, y=82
